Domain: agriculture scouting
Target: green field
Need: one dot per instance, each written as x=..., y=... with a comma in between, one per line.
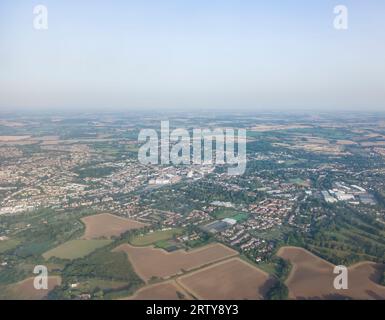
x=240, y=217
x=8, y=245
x=168, y=245
x=151, y=238
x=163, y=244
x=300, y=182
x=132, y=147
x=223, y=213
x=230, y=213
x=75, y=249
x=92, y=284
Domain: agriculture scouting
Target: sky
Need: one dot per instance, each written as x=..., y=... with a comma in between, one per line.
x=192, y=54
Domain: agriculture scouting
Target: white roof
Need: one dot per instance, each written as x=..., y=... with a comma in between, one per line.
x=230, y=221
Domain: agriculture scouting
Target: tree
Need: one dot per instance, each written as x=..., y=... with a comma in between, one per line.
x=278, y=291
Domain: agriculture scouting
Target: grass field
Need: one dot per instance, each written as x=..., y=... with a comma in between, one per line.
x=157, y=236
x=300, y=182
x=8, y=245
x=240, y=217
x=132, y=147
x=163, y=244
x=265, y=266
x=168, y=245
x=92, y=284
x=223, y=213
x=75, y=249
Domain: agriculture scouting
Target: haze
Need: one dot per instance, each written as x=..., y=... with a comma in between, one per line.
x=192, y=54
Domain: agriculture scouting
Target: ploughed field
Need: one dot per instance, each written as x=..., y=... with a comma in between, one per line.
x=312, y=278
x=150, y=262
x=107, y=225
x=169, y=290
x=98, y=229
x=210, y=272
x=232, y=279
x=25, y=290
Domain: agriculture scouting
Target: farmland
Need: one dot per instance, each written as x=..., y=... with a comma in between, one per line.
x=232, y=279
x=312, y=278
x=169, y=290
x=8, y=245
x=222, y=213
x=74, y=249
x=106, y=225
x=150, y=262
x=13, y=138
x=24, y=290
x=153, y=237
x=75, y=198
x=100, y=284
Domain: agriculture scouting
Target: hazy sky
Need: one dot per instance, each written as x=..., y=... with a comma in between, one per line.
x=187, y=54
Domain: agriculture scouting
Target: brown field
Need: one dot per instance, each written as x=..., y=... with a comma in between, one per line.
x=380, y=151
x=364, y=135
x=13, y=138
x=373, y=144
x=346, y=142
x=45, y=138
x=150, y=262
x=8, y=123
x=24, y=290
x=312, y=278
x=107, y=225
x=310, y=139
x=320, y=148
x=50, y=142
x=232, y=279
x=161, y=291
x=318, y=144
x=265, y=128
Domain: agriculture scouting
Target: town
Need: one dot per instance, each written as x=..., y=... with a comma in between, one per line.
x=304, y=185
